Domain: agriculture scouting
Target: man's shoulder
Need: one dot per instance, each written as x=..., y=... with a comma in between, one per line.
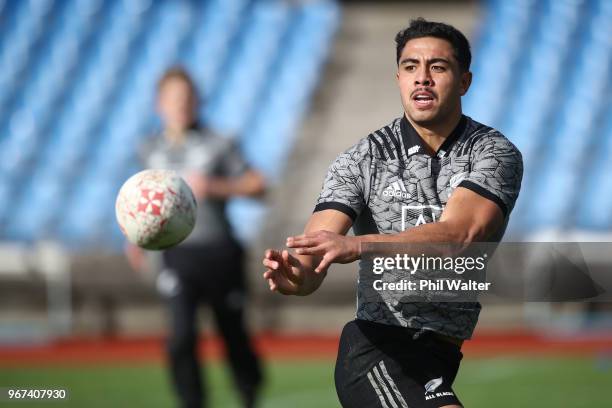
x=371, y=146
x=197, y=138
x=392, y=128
x=204, y=137
x=200, y=134
x=151, y=143
x=387, y=133
x=479, y=136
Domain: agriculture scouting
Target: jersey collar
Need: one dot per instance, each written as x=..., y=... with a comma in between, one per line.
x=194, y=128
x=414, y=144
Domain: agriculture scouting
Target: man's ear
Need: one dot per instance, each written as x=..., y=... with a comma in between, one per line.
x=466, y=81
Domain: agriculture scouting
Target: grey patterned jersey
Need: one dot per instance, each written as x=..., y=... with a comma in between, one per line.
x=208, y=154
x=388, y=183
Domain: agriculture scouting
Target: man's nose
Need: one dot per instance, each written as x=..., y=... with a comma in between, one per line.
x=423, y=77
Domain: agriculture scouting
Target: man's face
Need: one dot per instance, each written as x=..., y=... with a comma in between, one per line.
x=430, y=81
x=176, y=104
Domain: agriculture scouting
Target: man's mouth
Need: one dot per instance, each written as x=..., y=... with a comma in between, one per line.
x=423, y=99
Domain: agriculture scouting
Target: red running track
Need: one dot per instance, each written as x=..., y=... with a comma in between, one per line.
x=274, y=346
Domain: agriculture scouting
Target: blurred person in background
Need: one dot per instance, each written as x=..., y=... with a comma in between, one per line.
x=462, y=179
x=208, y=266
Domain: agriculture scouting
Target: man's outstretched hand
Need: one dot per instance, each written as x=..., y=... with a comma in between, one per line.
x=319, y=246
x=284, y=273
x=331, y=247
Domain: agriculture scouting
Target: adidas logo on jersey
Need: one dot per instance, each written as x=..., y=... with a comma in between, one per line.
x=396, y=189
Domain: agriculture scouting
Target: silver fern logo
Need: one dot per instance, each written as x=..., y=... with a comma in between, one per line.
x=457, y=179
x=432, y=385
x=454, y=182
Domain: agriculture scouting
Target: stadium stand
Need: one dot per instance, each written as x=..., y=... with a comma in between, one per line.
x=77, y=96
x=542, y=76
x=78, y=81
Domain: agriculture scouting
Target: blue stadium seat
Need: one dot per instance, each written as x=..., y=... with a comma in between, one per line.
x=39, y=203
x=594, y=208
x=86, y=70
x=211, y=40
x=77, y=89
x=6, y=195
x=234, y=100
x=554, y=107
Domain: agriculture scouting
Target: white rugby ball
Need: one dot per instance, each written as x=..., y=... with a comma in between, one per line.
x=156, y=209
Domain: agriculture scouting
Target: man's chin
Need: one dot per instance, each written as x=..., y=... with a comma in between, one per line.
x=423, y=118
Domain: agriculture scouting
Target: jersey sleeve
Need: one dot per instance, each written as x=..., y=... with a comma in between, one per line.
x=346, y=183
x=496, y=171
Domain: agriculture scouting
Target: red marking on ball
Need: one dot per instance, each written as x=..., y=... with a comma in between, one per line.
x=150, y=201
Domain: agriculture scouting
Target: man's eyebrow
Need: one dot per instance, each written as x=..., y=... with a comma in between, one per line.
x=436, y=60
x=407, y=60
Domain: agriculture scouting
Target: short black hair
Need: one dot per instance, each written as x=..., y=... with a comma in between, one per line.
x=420, y=28
x=177, y=72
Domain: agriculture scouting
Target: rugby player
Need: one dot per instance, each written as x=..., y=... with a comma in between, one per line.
x=208, y=267
x=432, y=175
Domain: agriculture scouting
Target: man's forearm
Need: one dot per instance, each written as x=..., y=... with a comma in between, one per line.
x=434, y=233
x=429, y=233
x=311, y=283
x=311, y=280
x=221, y=188
x=247, y=186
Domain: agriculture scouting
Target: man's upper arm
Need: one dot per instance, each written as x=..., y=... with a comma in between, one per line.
x=496, y=171
x=346, y=183
x=479, y=217
x=329, y=220
x=482, y=202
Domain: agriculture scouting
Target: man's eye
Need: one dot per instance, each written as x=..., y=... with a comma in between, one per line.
x=437, y=68
x=410, y=67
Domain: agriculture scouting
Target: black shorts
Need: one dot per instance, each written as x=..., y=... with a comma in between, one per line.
x=384, y=366
x=217, y=266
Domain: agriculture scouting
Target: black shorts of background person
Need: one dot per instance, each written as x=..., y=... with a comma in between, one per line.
x=211, y=275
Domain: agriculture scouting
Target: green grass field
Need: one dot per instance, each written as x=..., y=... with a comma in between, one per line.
x=500, y=382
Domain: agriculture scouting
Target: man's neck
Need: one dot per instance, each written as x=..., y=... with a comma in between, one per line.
x=434, y=135
x=175, y=135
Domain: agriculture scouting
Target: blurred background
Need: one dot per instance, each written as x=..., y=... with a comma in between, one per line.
x=294, y=82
